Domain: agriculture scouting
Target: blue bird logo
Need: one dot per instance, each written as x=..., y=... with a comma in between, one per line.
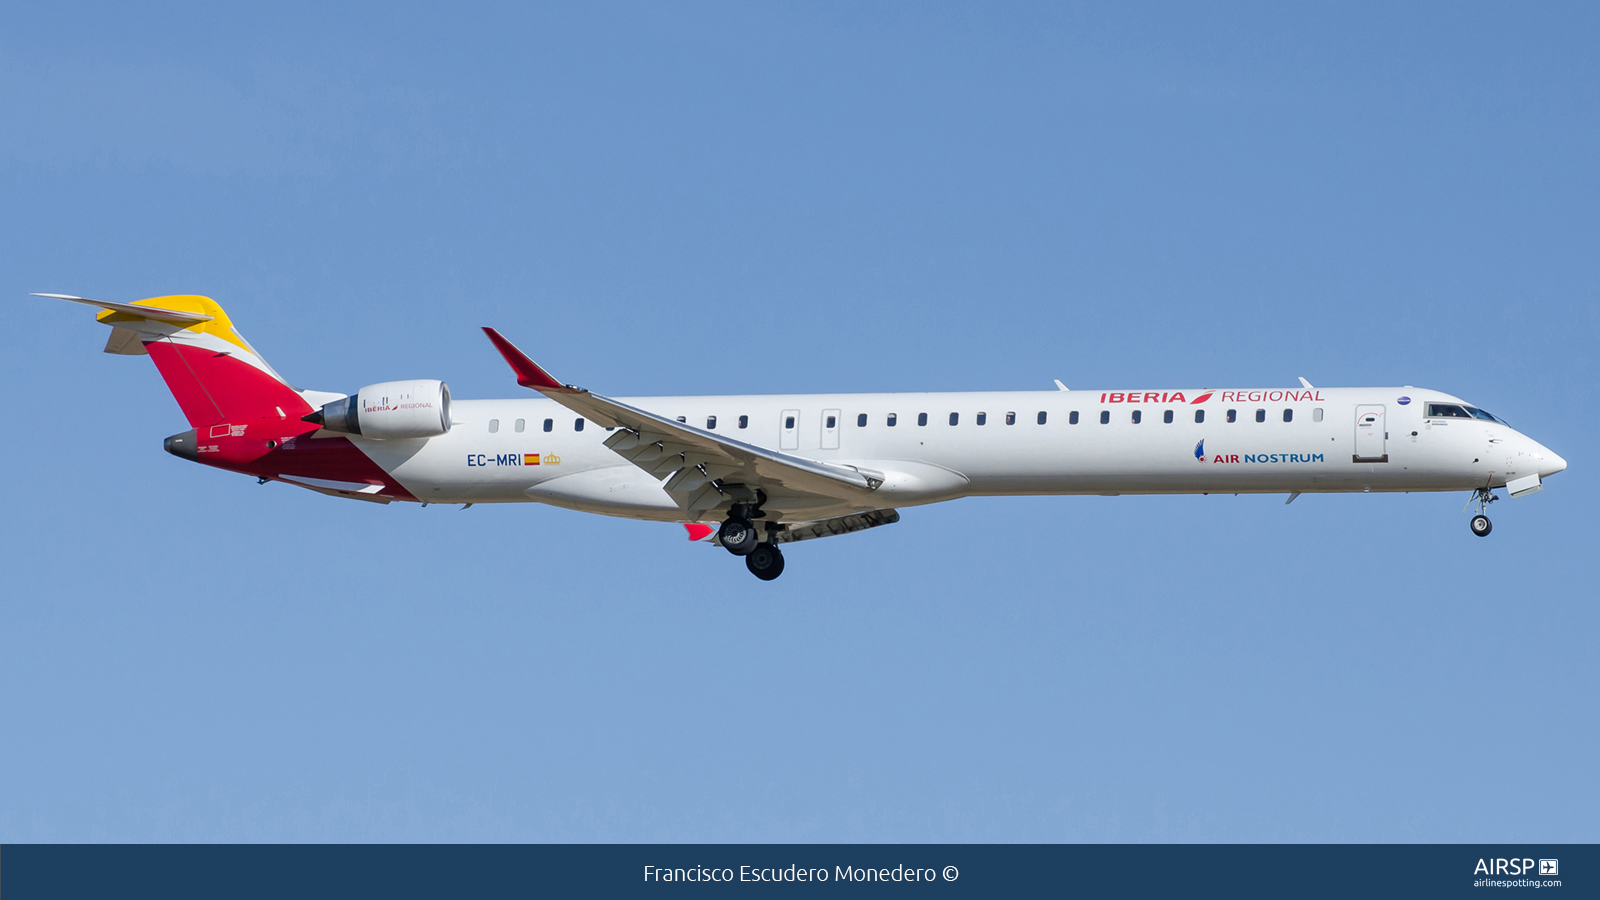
x=1200, y=450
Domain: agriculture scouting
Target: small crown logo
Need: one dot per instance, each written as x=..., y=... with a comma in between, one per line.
x=550, y=459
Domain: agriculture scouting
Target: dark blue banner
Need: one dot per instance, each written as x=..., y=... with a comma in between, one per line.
x=922, y=870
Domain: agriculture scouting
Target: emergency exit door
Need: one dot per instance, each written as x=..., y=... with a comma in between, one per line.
x=789, y=430
x=830, y=429
x=1371, y=438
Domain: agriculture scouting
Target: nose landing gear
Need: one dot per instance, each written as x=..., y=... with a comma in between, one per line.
x=1481, y=526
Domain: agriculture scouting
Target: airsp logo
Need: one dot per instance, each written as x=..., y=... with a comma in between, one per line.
x=1515, y=867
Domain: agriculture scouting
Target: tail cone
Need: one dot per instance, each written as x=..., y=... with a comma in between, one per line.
x=184, y=446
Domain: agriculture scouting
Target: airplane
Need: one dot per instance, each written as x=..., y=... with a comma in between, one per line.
x=752, y=473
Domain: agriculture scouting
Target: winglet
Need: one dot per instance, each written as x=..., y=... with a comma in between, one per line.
x=528, y=372
x=699, y=531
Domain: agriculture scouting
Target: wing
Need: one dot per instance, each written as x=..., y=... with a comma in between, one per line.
x=703, y=470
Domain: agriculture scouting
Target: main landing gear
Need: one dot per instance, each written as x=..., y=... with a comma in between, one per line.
x=739, y=536
x=765, y=561
x=1481, y=526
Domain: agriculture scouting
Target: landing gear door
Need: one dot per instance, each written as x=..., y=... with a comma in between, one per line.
x=1371, y=439
x=789, y=430
x=830, y=429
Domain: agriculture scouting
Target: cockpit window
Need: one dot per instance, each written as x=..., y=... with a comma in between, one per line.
x=1446, y=411
x=1487, y=417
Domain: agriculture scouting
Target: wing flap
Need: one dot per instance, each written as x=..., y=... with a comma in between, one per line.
x=839, y=525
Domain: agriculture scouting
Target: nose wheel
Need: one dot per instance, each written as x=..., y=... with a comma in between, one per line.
x=1480, y=524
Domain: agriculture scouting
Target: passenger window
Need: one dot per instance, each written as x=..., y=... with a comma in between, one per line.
x=683, y=419
x=861, y=420
x=1288, y=415
x=1261, y=415
x=1233, y=415
x=1042, y=416
x=832, y=422
x=1316, y=414
x=549, y=424
x=922, y=418
x=892, y=419
x=1105, y=417
x=711, y=423
x=1011, y=418
x=788, y=422
x=1072, y=417
x=1167, y=417
x=1199, y=416
x=983, y=418
x=1446, y=411
x=577, y=425
x=744, y=421
x=1138, y=416
x=954, y=418
x=494, y=426
x=520, y=424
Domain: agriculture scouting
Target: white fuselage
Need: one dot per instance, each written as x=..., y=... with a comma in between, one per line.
x=490, y=451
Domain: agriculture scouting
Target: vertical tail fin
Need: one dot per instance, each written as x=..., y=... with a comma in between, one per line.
x=212, y=371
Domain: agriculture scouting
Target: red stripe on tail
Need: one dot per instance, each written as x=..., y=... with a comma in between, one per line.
x=213, y=387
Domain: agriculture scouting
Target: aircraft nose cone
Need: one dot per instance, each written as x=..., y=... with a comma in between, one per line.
x=1549, y=464
x=183, y=446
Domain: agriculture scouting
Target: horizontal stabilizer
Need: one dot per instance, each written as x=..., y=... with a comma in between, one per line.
x=212, y=371
x=170, y=316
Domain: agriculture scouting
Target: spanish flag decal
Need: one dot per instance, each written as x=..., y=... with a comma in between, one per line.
x=530, y=459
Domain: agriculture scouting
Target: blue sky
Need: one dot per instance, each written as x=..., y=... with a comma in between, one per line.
x=800, y=197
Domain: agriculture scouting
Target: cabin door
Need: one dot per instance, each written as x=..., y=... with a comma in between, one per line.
x=1371, y=439
x=789, y=430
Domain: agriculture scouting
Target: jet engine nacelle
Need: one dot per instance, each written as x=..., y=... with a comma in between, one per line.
x=393, y=409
